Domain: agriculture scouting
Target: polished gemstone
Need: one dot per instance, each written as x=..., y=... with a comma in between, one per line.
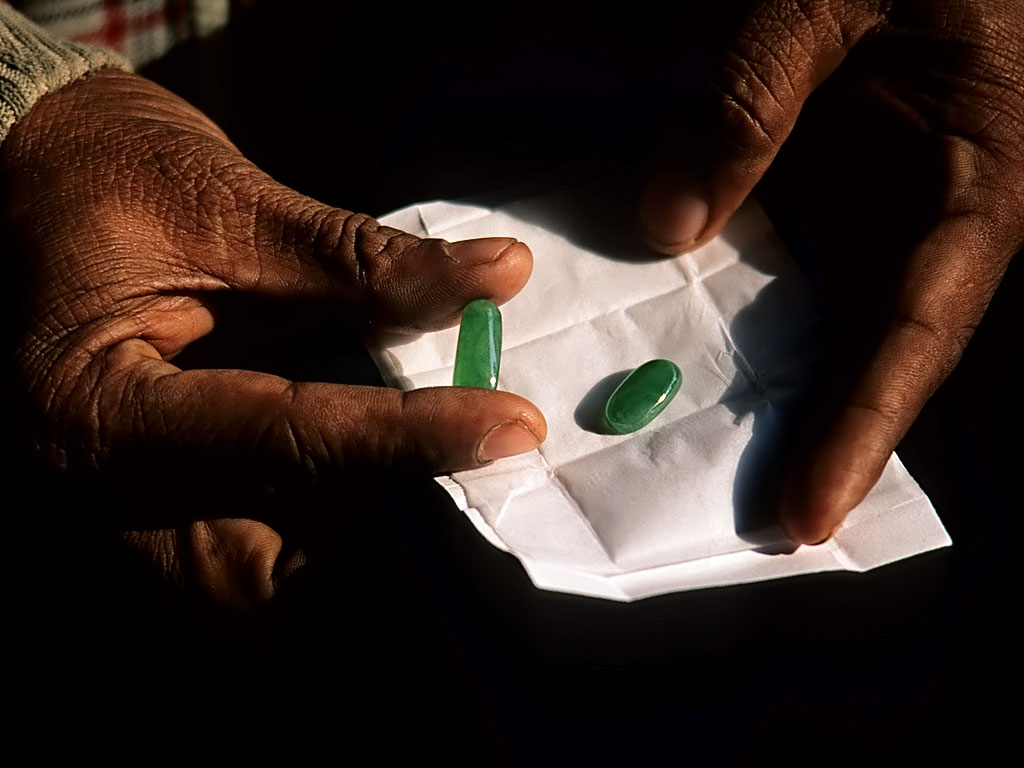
x=478, y=354
x=641, y=396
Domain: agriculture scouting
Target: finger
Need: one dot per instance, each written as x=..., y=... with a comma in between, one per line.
x=389, y=277
x=253, y=234
x=951, y=279
x=718, y=152
x=209, y=219
x=254, y=423
x=233, y=560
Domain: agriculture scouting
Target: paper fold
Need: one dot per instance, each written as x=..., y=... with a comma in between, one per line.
x=671, y=506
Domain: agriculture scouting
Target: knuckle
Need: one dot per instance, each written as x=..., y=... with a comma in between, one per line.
x=232, y=560
x=374, y=430
x=883, y=419
x=782, y=52
x=338, y=241
x=160, y=549
x=281, y=435
x=367, y=253
x=752, y=117
x=363, y=243
x=352, y=252
x=71, y=416
x=350, y=238
x=939, y=344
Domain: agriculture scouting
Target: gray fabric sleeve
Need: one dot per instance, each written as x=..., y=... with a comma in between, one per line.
x=34, y=63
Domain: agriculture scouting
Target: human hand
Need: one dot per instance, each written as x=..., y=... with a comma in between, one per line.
x=944, y=81
x=127, y=213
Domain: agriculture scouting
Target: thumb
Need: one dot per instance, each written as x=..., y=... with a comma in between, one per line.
x=782, y=52
x=246, y=423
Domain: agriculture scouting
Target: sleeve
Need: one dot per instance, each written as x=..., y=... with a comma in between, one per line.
x=34, y=63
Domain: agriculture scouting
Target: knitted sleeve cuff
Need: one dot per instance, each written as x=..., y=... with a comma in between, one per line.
x=34, y=63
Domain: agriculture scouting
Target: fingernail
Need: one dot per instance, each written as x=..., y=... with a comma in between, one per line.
x=508, y=439
x=823, y=539
x=797, y=528
x=480, y=251
x=674, y=221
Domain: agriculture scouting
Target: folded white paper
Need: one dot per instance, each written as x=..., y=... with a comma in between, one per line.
x=670, y=507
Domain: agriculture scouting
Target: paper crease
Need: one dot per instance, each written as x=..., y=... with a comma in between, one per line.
x=626, y=517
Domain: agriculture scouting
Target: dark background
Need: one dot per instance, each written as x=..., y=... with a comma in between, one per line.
x=412, y=636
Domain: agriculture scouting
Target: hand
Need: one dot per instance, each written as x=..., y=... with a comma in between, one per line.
x=127, y=213
x=942, y=215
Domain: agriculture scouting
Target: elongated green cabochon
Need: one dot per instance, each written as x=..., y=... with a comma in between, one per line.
x=478, y=355
x=641, y=396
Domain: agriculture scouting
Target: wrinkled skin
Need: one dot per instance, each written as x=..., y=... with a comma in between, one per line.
x=922, y=105
x=131, y=212
x=151, y=215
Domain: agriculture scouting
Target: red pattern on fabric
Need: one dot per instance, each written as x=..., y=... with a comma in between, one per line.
x=117, y=30
x=115, y=26
x=110, y=23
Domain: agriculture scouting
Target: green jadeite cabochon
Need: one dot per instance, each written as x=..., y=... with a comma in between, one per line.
x=478, y=355
x=641, y=396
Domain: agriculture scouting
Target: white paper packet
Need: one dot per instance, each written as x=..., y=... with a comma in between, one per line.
x=670, y=507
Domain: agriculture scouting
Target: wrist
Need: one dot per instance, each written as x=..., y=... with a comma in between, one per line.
x=34, y=63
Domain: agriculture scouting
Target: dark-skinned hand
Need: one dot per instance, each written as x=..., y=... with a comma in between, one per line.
x=910, y=176
x=127, y=214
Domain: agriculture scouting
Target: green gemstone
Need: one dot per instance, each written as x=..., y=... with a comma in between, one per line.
x=641, y=396
x=479, y=352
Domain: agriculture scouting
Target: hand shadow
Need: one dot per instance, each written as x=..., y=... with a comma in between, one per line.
x=778, y=355
x=773, y=399
x=597, y=213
